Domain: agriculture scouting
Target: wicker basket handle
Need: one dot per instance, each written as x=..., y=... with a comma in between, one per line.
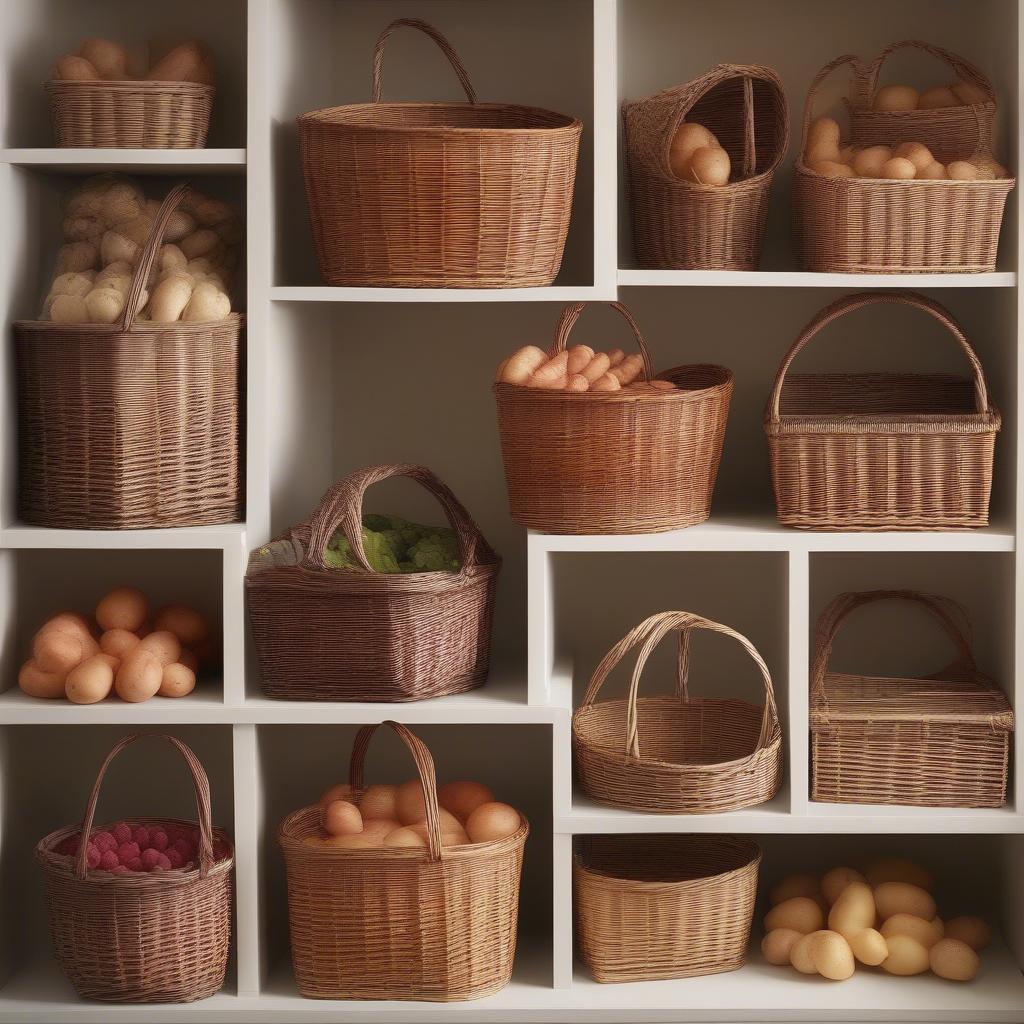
x=849, y=303
x=647, y=635
x=572, y=313
x=424, y=768
x=948, y=613
x=144, y=268
x=342, y=506
x=860, y=87
x=446, y=48
x=200, y=783
x=962, y=68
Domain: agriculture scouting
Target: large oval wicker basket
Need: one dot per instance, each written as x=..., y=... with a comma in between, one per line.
x=881, y=451
x=680, y=754
x=438, y=195
x=323, y=633
x=650, y=907
x=683, y=225
x=435, y=924
x=129, y=425
x=614, y=462
x=141, y=937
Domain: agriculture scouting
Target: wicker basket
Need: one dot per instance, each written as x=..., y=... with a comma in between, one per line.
x=129, y=425
x=650, y=907
x=881, y=451
x=436, y=924
x=941, y=741
x=438, y=195
x=882, y=226
x=130, y=115
x=683, y=225
x=154, y=937
x=700, y=755
x=351, y=635
x=951, y=133
x=651, y=458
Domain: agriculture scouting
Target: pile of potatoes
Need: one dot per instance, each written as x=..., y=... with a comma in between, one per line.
x=825, y=154
x=121, y=651
x=578, y=369
x=107, y=221
x=906, y=97
x=696, y=155
x=104, y=60
x=885, y=917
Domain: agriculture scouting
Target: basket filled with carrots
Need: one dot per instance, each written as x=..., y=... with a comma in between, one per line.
x=595, y=442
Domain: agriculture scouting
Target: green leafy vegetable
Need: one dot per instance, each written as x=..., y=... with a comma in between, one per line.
x=393, y=544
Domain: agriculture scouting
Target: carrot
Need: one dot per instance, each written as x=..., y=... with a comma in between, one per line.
x=577, y=382
x=520, y=365
x=606, y=382
x=616, y=356
x=579, y=357
x=597, y=367
x=552, y=374
x=629, y=369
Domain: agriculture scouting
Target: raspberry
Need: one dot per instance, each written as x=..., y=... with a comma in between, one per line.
x=109, y=860
x=120, y=870
x=163, y=863
x=122, y=833
x=141, y=836
x=128, y=851
x=93, y=857
x=158, y=839
x=150, y=858
x=174, y=858
x=104, y=841
x=68, y=847
x=185, y=848
x=135, y=864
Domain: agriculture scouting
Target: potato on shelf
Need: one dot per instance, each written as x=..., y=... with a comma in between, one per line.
x=106, y=60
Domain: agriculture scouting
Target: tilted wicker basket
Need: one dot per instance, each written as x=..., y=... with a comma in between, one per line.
x=436, y=924
x=684, y=225
x=941, y=741
x=681, y=754
x=438, y=195
x=881, y=451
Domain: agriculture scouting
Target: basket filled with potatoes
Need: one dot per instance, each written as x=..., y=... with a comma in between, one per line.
x=128, y=383
x=895, y=203
x=101, y=98
x=702, y=157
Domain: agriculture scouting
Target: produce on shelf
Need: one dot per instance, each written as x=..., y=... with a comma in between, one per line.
x=126, y=847
x=826, y=154
x=906, y=97
x=106, y=60
x=106, y=223
x=578, y=369
x=121, y=651
x=885, y=917
x=393, y=544
x=696, y=155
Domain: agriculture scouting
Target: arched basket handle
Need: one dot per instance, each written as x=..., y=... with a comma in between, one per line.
x=963, y=69
x=446, y=48
x=860, y=87
x=572, y=313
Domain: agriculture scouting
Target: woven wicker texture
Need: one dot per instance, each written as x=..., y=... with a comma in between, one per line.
x=398, y=922
x=130, y=115
x=882, y=226
x=681, y=754
x=438, y=195
x=614, y=462
x=881, y=451
x=154, y=937
x=688, y=226
x=344, y=634
x=942, y=741
x=951, y=133
x=650, y=907
x=129, y=425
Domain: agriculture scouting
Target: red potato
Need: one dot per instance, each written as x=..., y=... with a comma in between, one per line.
x=521, y=365
x=606, y=382
x=597, y=367
x=579, y=358
x=37, y=683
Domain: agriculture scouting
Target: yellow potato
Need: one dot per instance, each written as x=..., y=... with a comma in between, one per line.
x=925, y=932
x=778, y=944
x=75, y=69
x=962, y=170
x=869, y=946
x=906, y=956
x=108, y=58
x=933, y=172
x=800, y=954
x=896, y=869
x=868, y=162
x=835, y=881
x=709, y=165
x=937, y=96
x=972, y=930
x=800, y=913
x=689, y=137
x=896, y=97
x=824, y=133
x=831, y=955
x=90, y=682
x=178, y=681
x=794, y=885
x=831, y=168
x=917, y=153
x=953, y=960
x=898, y=168
x=378, y=801
x=853, y=910
x=903, y=898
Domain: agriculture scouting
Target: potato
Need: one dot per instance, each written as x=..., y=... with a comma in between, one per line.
x=831, y=955
x=953, y=960
x=689, y=137
x=37, y=683
x=969, y=94
x=903, y=898
x=200, y=243
x=933, y=172
x=800, y=954
x=163, y=645
x=139, y=676
x=104, y=305
x=73, y=68
x=69, y=309
x=123, y=608
x=853, y=910
x=896, y=869
x=709, y=165
x=925, y=932
x=835, y=881
x=777, y=945
x=188, y=625
x=108, y=58
x=899, y=169
x=896, y=97
x=906, y=956
x=378, y=801
x=91, y=681
x=59, y=652
x=794, y=885
x=409, y=802
x=118, y=642
x=800, y=913
x=869, y=946
x=868, y=162
x=917, y=153
x=182, y=64
x=178, y=681
x=962, y=170
x=831, y=168
x=937, y=96
x=823, y=133
x=75, y=257
x=972, y=930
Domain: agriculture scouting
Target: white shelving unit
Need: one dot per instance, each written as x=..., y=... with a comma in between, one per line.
x=338, y=378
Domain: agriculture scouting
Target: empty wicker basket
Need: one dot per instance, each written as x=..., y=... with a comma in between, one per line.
x=358, y=635
x=651, y=458
x=141, y=937
x=650, y=907
x=680, y=754
x=881, y=451
x=438, y=195
x=435, y=924
x=684, y=225
x=941, y=741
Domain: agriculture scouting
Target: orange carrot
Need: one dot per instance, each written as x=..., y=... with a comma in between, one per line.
x=579, y=357
x=606, y=382
x=597, y=367
x=629, y=369
x=552, y=374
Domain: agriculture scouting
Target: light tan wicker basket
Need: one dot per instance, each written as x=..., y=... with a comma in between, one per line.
x=438, y=195
x=130, y=115
x=680, y=224
x=882, y=226
x=681, y=754
x=436, y=924
x=650, y=907
x=881, y=451
x=941, y=741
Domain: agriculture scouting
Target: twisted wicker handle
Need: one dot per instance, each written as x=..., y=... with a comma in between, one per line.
x=648, y=635
x=962, y=68
x=200, y=783
x=446, y=48
x=860, y=84
x=342, y=506
x=424, y=768
x=572, y=313
x=848, y=304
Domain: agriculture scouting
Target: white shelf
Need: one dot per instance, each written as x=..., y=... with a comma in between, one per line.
x=205, y=705
x=230, y=535
x=139, y=161
x=325, y=293
x=803, y=279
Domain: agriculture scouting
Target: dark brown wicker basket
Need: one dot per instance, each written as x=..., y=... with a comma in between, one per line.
x=682, y=225
x=129, y=425
x=614, y=462
x=360, y=635
x=438, y=195
x=141, y=937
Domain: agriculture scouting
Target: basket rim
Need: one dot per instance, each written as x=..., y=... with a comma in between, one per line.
x=850, y=423
x=503, y=389
x=139, y=327
x=129, y=84
x=936, y=184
